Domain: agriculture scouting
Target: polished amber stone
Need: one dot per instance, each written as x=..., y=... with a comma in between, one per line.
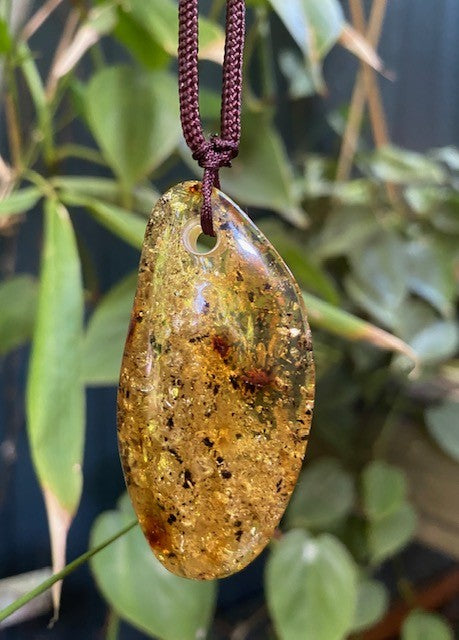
x=216, y=390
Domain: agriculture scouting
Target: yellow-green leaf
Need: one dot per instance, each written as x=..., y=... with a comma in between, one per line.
x=55, y=395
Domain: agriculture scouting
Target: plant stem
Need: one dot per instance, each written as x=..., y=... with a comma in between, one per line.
x=113, y=626
x=47, y=584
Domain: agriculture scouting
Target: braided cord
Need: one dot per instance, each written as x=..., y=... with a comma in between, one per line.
x=221, y=149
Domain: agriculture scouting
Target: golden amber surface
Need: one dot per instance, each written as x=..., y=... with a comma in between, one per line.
x=216, y=389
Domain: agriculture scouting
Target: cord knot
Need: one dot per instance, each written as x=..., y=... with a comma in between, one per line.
x=216, y=153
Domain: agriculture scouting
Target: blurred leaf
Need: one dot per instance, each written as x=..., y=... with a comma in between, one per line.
x=383, y=488
x=315, y=26
x=324, y=495
x=372, y=604
x=379, y=268
x=128, y=226
x=392, y=164
x=443, y=425
x=159, y=19
x=439, y=205
x=106, y=334
x=436, y=342
x=99, y=21
x=133, y=146
x=448, y=155
x=345, y=229
x=299, y=77
x=342, y=323
x=141, y=590
x=55, y=395
x=420, y=625
x=18, y=302
x=19, y=201
x=311, y=587
x=389, y=534
x=139, y=42
x=262, y=175
x=307, y=273
x=144, y=197
x=431, y=274
x=356, y=43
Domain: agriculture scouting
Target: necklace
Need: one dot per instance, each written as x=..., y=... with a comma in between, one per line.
x=217, y=381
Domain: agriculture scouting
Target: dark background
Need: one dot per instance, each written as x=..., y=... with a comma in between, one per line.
x=419, y=45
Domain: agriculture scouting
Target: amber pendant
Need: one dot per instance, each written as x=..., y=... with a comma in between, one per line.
x=216, y=391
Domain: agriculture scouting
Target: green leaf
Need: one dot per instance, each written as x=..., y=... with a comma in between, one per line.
x=55, y=395
x=443, y=425
x=400, y=166
x=420, y=625
x=298, y=75
x=311, y=587
x=128, y=226
x=324, y=495
x=372, y=604
x=141, y=590
x=436, y=342
x=448, y=155
x=144, y=197
x=262, y=175
x=133, y=146
x=158, y=19
x=389, y=534
x=308, y=273
x=106, y=334
x=383, y=489
x=20, y=201
x=345, y=229
x=315, y=26
x=379, y=268
x=18, y=302
x=341, y=323
x=431, y=274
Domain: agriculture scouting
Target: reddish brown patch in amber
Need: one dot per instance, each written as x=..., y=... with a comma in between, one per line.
x=155, y=532
x=194, y=188
x=257, y=379
x=220, y=345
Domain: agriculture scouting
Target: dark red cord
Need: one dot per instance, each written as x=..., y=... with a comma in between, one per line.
x=219, y=150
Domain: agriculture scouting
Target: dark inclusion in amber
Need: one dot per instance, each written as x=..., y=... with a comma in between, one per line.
x=216, y=390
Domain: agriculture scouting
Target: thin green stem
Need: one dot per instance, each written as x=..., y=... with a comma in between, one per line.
x=113, y=626
x=47, y=584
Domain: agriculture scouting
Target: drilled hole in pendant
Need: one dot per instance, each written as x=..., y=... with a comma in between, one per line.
x=197, y=242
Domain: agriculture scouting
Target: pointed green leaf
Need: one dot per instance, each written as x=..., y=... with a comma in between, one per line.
x=133, y=146
x=122, y=222
x=55, y=395
x=400, y=166
x=311, y=587
x=420, y=625
x=106, y=334
x=18, y=301
x=141, y=590
x=19, y=201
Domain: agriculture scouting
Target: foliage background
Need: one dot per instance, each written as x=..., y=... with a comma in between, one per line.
x=387, y=260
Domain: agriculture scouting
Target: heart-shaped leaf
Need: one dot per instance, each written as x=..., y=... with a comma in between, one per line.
x=141, y=590
x=384, y=489
x=311, y=587
x=133, y=146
